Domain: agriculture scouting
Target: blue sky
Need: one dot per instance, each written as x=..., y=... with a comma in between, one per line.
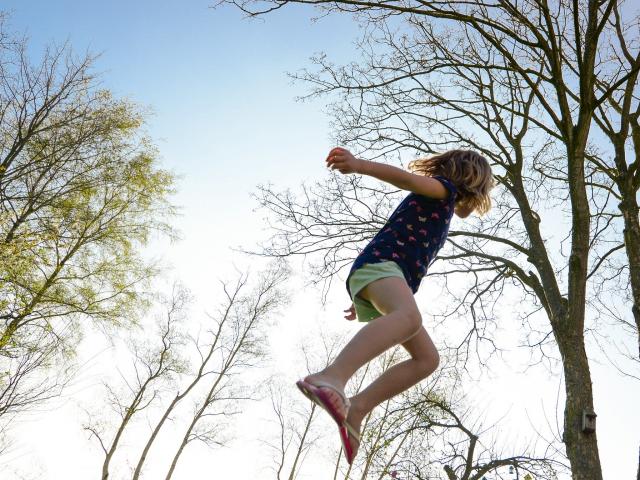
x=216, y=83
x=225, y=118
x=224, y=115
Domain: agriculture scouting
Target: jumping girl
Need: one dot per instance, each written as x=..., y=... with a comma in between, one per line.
x=387, y=273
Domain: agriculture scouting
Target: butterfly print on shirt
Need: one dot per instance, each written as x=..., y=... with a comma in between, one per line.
x=415, y=247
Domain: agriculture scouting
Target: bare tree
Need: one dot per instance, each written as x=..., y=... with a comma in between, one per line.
x=618, y=120
x=521, y=83
x=153, y=367
x=428, y=432
x=462, y=447
x=234, y=342
x=241, y=344
x=22, y=386
x=295, y=435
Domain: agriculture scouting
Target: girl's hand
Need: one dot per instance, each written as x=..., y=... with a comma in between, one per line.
x=352, y=315
x=342, y=159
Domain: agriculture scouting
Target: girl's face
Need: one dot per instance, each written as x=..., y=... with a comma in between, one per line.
x=462, y=212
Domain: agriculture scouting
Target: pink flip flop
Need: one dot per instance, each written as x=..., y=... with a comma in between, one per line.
x=316, y=395
x=346, y=430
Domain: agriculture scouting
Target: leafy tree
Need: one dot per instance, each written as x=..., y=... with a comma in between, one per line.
x=81, y=192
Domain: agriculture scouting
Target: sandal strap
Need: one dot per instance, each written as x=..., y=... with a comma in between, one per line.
x=352, y=431
x=320, y=383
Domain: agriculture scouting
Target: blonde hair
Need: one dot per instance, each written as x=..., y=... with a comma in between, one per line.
x=469, y=171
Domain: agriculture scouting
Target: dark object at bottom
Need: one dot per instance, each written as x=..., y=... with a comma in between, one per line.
x=588, y=421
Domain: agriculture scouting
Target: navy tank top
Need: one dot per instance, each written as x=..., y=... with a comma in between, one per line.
x=412, y=235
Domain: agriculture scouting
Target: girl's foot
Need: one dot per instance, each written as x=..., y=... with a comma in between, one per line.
x=354, y=419
x=336, y=398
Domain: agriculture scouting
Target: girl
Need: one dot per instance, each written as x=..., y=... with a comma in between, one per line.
x=387, y=273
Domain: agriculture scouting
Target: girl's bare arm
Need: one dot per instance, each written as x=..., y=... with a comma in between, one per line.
x=345, y=162
x=405, y=180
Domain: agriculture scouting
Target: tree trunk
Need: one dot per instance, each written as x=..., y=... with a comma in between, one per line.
x=582, y=448
x=152, y=438
x=631, y=232
x=629, y=209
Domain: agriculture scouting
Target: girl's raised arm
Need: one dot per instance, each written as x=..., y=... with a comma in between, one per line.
x=345, y=162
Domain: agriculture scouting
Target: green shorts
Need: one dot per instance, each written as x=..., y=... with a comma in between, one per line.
x=362, y=277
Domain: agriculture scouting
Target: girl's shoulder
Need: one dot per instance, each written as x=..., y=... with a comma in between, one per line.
x=448, y=184
x=424, y=199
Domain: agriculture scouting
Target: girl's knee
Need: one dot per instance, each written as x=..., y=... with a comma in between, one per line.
x=414, y=320
x=430, y=363
x=435, y=359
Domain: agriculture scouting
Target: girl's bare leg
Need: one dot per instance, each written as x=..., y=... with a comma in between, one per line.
x=400, y=321
x=402, y=376
x=395, y=379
